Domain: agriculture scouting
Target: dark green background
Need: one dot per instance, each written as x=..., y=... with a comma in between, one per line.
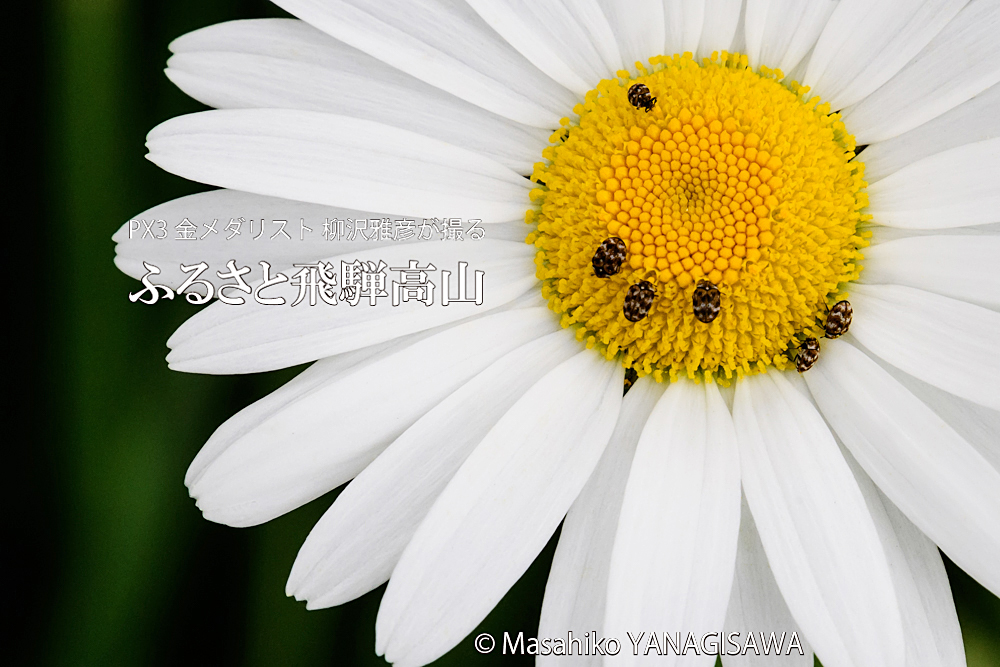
x=111, y=562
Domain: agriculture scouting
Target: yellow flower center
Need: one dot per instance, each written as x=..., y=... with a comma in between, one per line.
x=732, y=177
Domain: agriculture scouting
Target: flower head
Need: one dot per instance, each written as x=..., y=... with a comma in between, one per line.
x=703, y=189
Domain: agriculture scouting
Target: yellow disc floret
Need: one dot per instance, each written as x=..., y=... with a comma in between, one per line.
x=734, y=178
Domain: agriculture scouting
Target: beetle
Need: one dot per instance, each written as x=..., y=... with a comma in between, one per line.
x=706, y=301
x=609, y=257
x=640, y=97
x=638, y=301
x=808, y=354
x=838, y=319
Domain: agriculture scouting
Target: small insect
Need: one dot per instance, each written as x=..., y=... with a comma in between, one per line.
x=640, y=97
x=638, y=301
x=609, y=257
x=706, y=300
x=808, y=354
x=838, y=320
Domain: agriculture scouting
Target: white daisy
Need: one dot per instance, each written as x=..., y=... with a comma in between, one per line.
x=471, y=432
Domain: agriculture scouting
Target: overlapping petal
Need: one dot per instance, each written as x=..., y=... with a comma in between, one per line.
x=953, y=188
x=978, y=425
x=574, y=46
x=865, y=43
x=312, y=378
x=576, y=591
x=945, y=487
x=817, y=532
x=722, y=22
x=499, y=510
x=968, y=123
x=930, y=623
x=882, y=234
x=756, y=606
x=962, y=267
x=330, y=426
x=287, y=64
x=675, y=547
x=779, y=33
x=962, y=61
x=243, y=225
x=682, y=25
x=356, y=544
x=253, y=337
x=338, y=160
x=638, y=27
x=447, y=45
x=948, y=343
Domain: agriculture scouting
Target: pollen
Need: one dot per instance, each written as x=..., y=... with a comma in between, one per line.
x=732, y=177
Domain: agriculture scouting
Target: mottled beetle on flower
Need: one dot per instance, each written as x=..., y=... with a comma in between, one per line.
x=638, y=301
x=609, y=257
x=808, y=354
x=640, y=97
x=706, y=301
x=838, y=320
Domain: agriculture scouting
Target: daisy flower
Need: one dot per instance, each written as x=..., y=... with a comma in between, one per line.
x=777, y=216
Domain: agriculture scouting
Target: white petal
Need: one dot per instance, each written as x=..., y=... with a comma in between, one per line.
x=975, y=120
x=954, y=188
x=675, y=548
x=978, y=425
x=962, y=267
x=354, y=547
x=739, y=44
x=882, y=234
x=286, y=64
x=638, y=28
x=590, y=15
x=934, y=476
x=229, y=227
x=283, y=456
x=963, y=60
x=564, y=42
x=328, y=159
x=499, y=510
x=722, y=18
x=227, y=339
x=948, y=343
x=930, y=623
x=316, y=376
x=682, y=23
x=799, y=71
x=865, y=43
x=576, y=590
x=818, y=535
x=166, y=248
x=448, y=46
x=779, y=33
x=756, y=606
